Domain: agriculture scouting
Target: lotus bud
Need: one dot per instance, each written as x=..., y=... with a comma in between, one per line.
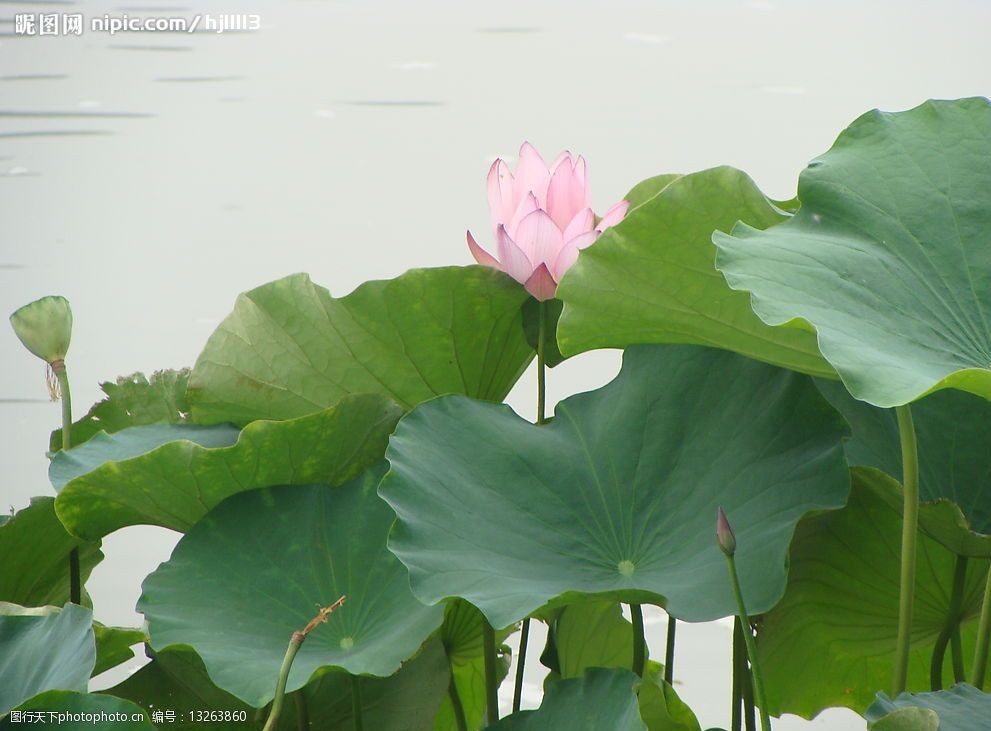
x=541, y=219
x=724, y=534
x=45, y=328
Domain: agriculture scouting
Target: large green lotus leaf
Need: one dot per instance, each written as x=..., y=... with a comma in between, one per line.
x=262, y=563
x=907, y=719
x=652, y=278
x=406, y=701
x=34, y=556
x=290, y=349
x=461, y=636
x=43, y=649
x=617, y=496
x=961, y=708
x=603, y=699
x=133, y=401
x=105, y=448
x=123, y=715
x=888, y=258
x=647, y=189
x=113, y=645
x=592, y=635
x=831, y=639
x=662, y=710
x=953, y=430
x=176, y=483
x=175, y=680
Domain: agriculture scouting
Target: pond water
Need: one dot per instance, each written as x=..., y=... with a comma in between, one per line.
x=152, y=176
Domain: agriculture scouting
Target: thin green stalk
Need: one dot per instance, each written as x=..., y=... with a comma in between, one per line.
x=739, y=670
x=951, y=629
x=639, y=642
x=669, y=651
x=956, y=650
x=491, y=680
x=59, y=369
x=983, y=637
x=459, y=710
x=302, y=711
x=298, y=637
x=541, y=366
x=521, y=664
x=541, y=419
x=280, y=688
x=743, y=677
x=359, y=723
x=758, y=679
x=910, y=524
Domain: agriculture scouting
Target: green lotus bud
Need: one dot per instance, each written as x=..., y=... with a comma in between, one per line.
x=724, y=534
x=45, y=327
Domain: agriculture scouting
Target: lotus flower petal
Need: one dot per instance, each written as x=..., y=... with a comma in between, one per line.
x=512, y=259
x=560, y=159
x=500, y=188
x=532, y=175
x=613, y=216
x=566, y=194
x=583, y=241
x=539, y=237
x=541, y=284
x=583, y=222
x=527, y=206
x=481, y=255
x=567, y=257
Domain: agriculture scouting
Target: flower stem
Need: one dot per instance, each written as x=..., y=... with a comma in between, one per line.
x=758, y=679
x=58, y=368
x=639, y=642
x=359, y=722
x=951, y=628
x=280, y=688
x=669, y=651
x=743, y=689
x=521, y=664
x=983, y=637
x=298, y=637
x=910, y=524
x=541, y=367
x=459, y=710
x=541, y=419
x=491, y=681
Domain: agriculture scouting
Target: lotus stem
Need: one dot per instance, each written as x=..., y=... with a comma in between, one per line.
x=743, y=691
x=541, y=419
x=541, y=365
x=302, y=711
x=359, y=722
x=298, y=637
x=669, y=651
x=520, y=664
x=758, y=680
x=639, y=642
x=456, y=706
x=280, y=688
x=910, y=525
x=491, y=681
x=951, y=630
x=983, y=637
x=62, y=375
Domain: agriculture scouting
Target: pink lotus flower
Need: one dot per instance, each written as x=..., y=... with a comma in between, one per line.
x=541, y=219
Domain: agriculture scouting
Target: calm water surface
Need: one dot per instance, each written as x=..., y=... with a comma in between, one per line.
x=150, y=177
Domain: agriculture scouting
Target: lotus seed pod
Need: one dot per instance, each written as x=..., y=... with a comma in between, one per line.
x=724, y=534
x=45, y=327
